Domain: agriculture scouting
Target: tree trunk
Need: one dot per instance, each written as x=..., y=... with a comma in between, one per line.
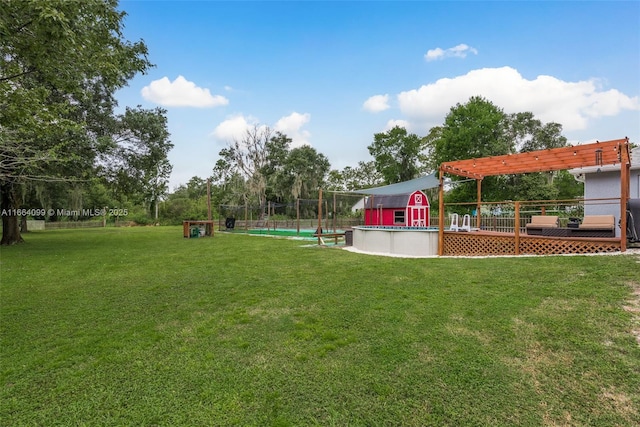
x=8, y=207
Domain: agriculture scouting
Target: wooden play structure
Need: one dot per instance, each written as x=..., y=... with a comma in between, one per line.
x=543, y=235
x=197, y=228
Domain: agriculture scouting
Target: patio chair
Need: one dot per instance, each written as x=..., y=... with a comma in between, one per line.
x=466, y=223
x=455, y=225
x=453, y=222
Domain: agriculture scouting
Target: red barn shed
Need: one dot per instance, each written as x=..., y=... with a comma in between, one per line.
x=400, y=210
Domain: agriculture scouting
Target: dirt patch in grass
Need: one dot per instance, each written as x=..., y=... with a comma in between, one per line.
x=618, y=402
x=633, y=307
x=536, y=361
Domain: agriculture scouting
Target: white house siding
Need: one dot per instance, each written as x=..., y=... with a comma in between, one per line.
x=606, y=184
x=603, y=185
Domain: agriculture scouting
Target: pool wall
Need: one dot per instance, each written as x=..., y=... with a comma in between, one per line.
x=396, y=241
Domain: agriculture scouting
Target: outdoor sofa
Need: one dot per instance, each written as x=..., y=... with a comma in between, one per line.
x=596, y=226
x=540, y=222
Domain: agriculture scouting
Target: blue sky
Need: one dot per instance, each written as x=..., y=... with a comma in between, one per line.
x=332, y=74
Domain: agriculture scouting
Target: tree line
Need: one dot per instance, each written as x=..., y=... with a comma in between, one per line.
x=262, y=168
x=62, y=143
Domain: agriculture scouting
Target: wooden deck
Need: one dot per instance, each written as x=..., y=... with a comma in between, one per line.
x=480, y=243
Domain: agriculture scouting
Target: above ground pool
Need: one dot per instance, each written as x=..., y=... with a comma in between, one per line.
x=410, y=241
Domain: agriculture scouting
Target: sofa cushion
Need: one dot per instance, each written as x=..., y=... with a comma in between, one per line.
x=604, y=222
x=543, y=221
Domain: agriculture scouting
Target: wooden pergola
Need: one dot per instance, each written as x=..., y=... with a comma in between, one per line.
x=615, y=152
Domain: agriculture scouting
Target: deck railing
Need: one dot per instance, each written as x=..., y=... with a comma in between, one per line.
x=501, y=216
x=511, y=218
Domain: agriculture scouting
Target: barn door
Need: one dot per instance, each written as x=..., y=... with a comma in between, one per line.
x=418, y=216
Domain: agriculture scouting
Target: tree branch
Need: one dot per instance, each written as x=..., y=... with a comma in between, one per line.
x=4, y=79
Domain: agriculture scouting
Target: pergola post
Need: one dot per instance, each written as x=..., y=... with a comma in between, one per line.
x=441, y=215
x=625, y=171
x=516, y=228
x=624, y=197
x=479, y=204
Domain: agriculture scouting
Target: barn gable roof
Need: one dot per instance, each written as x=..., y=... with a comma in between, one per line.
x=388, y=201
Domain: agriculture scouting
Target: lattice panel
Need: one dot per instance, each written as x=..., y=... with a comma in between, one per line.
x=537, y=246
x=466, y=244
x=470, y=244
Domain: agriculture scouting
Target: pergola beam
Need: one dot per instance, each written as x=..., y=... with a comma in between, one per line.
x=577, y=156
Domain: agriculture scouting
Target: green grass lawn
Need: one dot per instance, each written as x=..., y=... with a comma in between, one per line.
x=139, y=326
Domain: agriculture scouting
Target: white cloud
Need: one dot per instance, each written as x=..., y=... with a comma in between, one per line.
x=400, y=123
x=376, y=103
x=235, y=128
x=181, y=93
x=291, y=126
x=571, y=104
x=459, y=51
x=433, y=54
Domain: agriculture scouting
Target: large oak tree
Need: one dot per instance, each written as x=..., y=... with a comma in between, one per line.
x=137, y=166
x=397, y=154
x=61, y=63
x=478, y=128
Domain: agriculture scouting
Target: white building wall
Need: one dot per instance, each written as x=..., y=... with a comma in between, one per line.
x=606, y=184
x=603, y=185
x=634, y=179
